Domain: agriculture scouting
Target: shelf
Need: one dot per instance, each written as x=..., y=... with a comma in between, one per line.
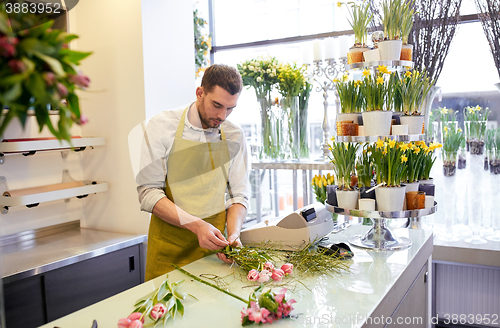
x=31, y=112
x=405, y=138
x=382, y=214
x=55, y=192
x=29, y=146
x=388, y=63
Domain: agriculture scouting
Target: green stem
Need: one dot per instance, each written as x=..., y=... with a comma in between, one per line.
x=209, y=284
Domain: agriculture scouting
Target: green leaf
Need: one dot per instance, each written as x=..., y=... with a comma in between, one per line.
x=246, y=321
x=54, y=64
x=139, y=303
x=173, y=310
x=12, y=79
x=36, y=86
x=180, y=307
x=192, y=296
x=42, y=115
x=171, y=304
x=74, y=56
x=178, y=294
x=162, y=292
x=13, y=93
x=167, y=297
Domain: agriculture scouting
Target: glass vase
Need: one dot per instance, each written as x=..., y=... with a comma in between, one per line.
x=449, y=163
x=495, y=192
x=267, y=131
x=474, y=134
x=291, y=127
x=280, y=123
x=462, y=158
x=449, y=199
x=304, y=133
x=475, y=198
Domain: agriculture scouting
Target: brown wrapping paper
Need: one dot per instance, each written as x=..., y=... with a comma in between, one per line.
x=42, y=189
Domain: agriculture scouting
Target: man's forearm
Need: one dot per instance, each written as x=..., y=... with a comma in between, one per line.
x=235, y=215
x=166, y=210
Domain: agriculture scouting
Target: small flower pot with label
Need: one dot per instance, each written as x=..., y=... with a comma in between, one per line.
x=347, y=199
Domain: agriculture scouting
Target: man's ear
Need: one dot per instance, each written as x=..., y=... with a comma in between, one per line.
x=199, y=92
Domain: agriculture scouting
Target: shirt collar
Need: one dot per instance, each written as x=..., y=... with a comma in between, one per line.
x=191, y=126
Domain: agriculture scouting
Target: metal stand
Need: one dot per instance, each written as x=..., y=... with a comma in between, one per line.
x=380, y=237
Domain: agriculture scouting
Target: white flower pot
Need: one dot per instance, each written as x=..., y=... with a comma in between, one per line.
x=347, y=199
x=390, y=49
x=390, y=198
x=399, y=130
x=428, y=181
x=415, y=123
x=347, y=117
x=413, y=186
x=371, y=55
x=377, y=123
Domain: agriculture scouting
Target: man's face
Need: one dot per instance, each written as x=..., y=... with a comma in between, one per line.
x=215, y=106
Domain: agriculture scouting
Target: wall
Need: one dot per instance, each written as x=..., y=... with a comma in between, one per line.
x=132, y=77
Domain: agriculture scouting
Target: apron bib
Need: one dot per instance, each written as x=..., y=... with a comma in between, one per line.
x=196, y=182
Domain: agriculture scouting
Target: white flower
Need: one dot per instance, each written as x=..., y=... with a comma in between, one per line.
x=244, y=66
x=268, y=70
x=251, y=67
x=258, y=79
x=272, y=75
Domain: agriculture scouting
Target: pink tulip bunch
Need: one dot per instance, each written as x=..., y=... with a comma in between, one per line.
x=135, y=320
x=279, y=308
x=270, y=272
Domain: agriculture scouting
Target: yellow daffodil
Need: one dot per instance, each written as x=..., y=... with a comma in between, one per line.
x=471, y=110
x=404, y=159
x=366, y=73
x=392, y=143
x=443, y=110
x=320, y=184
x=383, y=69
x=459, y=130
x=385, y=151
x=380, y=143
x=477, y=108
x=345, y=77
x=416, y=150
x=336, y=80
x=408, y=74
x=380, y=80
x=339, y=4
x=404, y=147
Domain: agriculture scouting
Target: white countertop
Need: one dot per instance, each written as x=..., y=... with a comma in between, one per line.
x=331, y=299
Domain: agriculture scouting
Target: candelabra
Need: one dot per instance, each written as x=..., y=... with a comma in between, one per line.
x=325, y=77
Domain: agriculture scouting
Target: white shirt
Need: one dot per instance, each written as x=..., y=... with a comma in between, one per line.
x=158, y=141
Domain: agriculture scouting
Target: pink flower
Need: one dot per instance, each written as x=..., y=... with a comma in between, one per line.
x=17, y=66
x=268, y=266
x=135, y=324
x=158, y=311
x=253, y=275
x=80, y=80
x=124, y=323
x=83, y=119
x=136, y=316
x=287, y=268
x=287, y=307
x=49, y=78
x=263, y=276
x=62, y=90
x=279, y=298
x=7, y=46
x=278, y=274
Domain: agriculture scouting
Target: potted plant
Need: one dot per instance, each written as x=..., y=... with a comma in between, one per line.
x=390, y=168
x=495, y=164
x=406, y=24
x=38, y=72
x=324, y=189
x=351, y=103
x=390, y=47
x=462, y=155
x=290, y=83
x=364, y=169
x=360, y=18
x=489, y=145
x=452, y=140
x=414, y=163
x=448, y=120
x=427, y=162
x=414, y=87
x=475, y=127
x=344, y=159
x=262, y=74
x=376, y=118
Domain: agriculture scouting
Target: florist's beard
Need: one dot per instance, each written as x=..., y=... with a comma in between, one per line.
x=210, y=122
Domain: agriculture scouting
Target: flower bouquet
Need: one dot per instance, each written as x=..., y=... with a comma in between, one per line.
x=389, y=160
x=262, y=74
x=475, y=127
x=39, y=72
x=452, y=140
x=344, y=160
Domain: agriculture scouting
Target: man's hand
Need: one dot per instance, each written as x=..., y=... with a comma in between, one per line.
x=209, y=236
x=233, y=241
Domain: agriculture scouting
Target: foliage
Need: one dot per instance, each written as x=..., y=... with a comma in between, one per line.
x=260, y=73
x=392, y=18
x=414, y=87
x=374, y=89
x=428, y=159
x=350, y=97
x=319, y=184
x=291, y=79
x=452, y=139
x=247, y=258
x=475, y=122
x=407, y=19
x=344, y=160
x=202, y=44
x=389, y=161
x=364, y=167
x=39, y=72
x=447, y=115
x=360, y=18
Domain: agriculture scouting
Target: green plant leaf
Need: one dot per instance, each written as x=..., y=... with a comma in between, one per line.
x=162, y=292
x=36, y=86
x=192, y=296
x=42, y=116
x=139, y=303
x=74, y=56
x=180, y=307
x=54, y=64
x=12, y=79
x=13, y=93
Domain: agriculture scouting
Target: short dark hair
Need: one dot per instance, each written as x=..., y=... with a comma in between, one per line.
x=224, y=76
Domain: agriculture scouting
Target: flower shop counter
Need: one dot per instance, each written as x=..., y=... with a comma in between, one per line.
x=379, y=285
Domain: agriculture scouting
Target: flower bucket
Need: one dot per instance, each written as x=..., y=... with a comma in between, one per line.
x=347, y=199
x=390, y=198
x=390, y=49
x=415, y=123
x=406, y=52
x=377, y=123
x=371, y=55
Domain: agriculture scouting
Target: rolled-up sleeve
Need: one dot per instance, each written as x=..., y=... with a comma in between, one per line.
x=237, y=191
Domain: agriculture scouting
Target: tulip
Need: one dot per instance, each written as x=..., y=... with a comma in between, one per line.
x=253, y=275
x=17, y=66
x=7, y=46
x=287, y=268
x=62, y=90
x=124, y=323
x=158, y=311
x=278, y=274
x=135, y=324
x=83, y=119
x=268, y=266
x=136, y=316
x=263, y=276
x=80, y=80
x=49, y=78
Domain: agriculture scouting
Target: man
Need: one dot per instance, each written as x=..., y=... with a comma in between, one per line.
x=190, y=159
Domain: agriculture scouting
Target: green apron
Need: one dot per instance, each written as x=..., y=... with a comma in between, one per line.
x=196, y=182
